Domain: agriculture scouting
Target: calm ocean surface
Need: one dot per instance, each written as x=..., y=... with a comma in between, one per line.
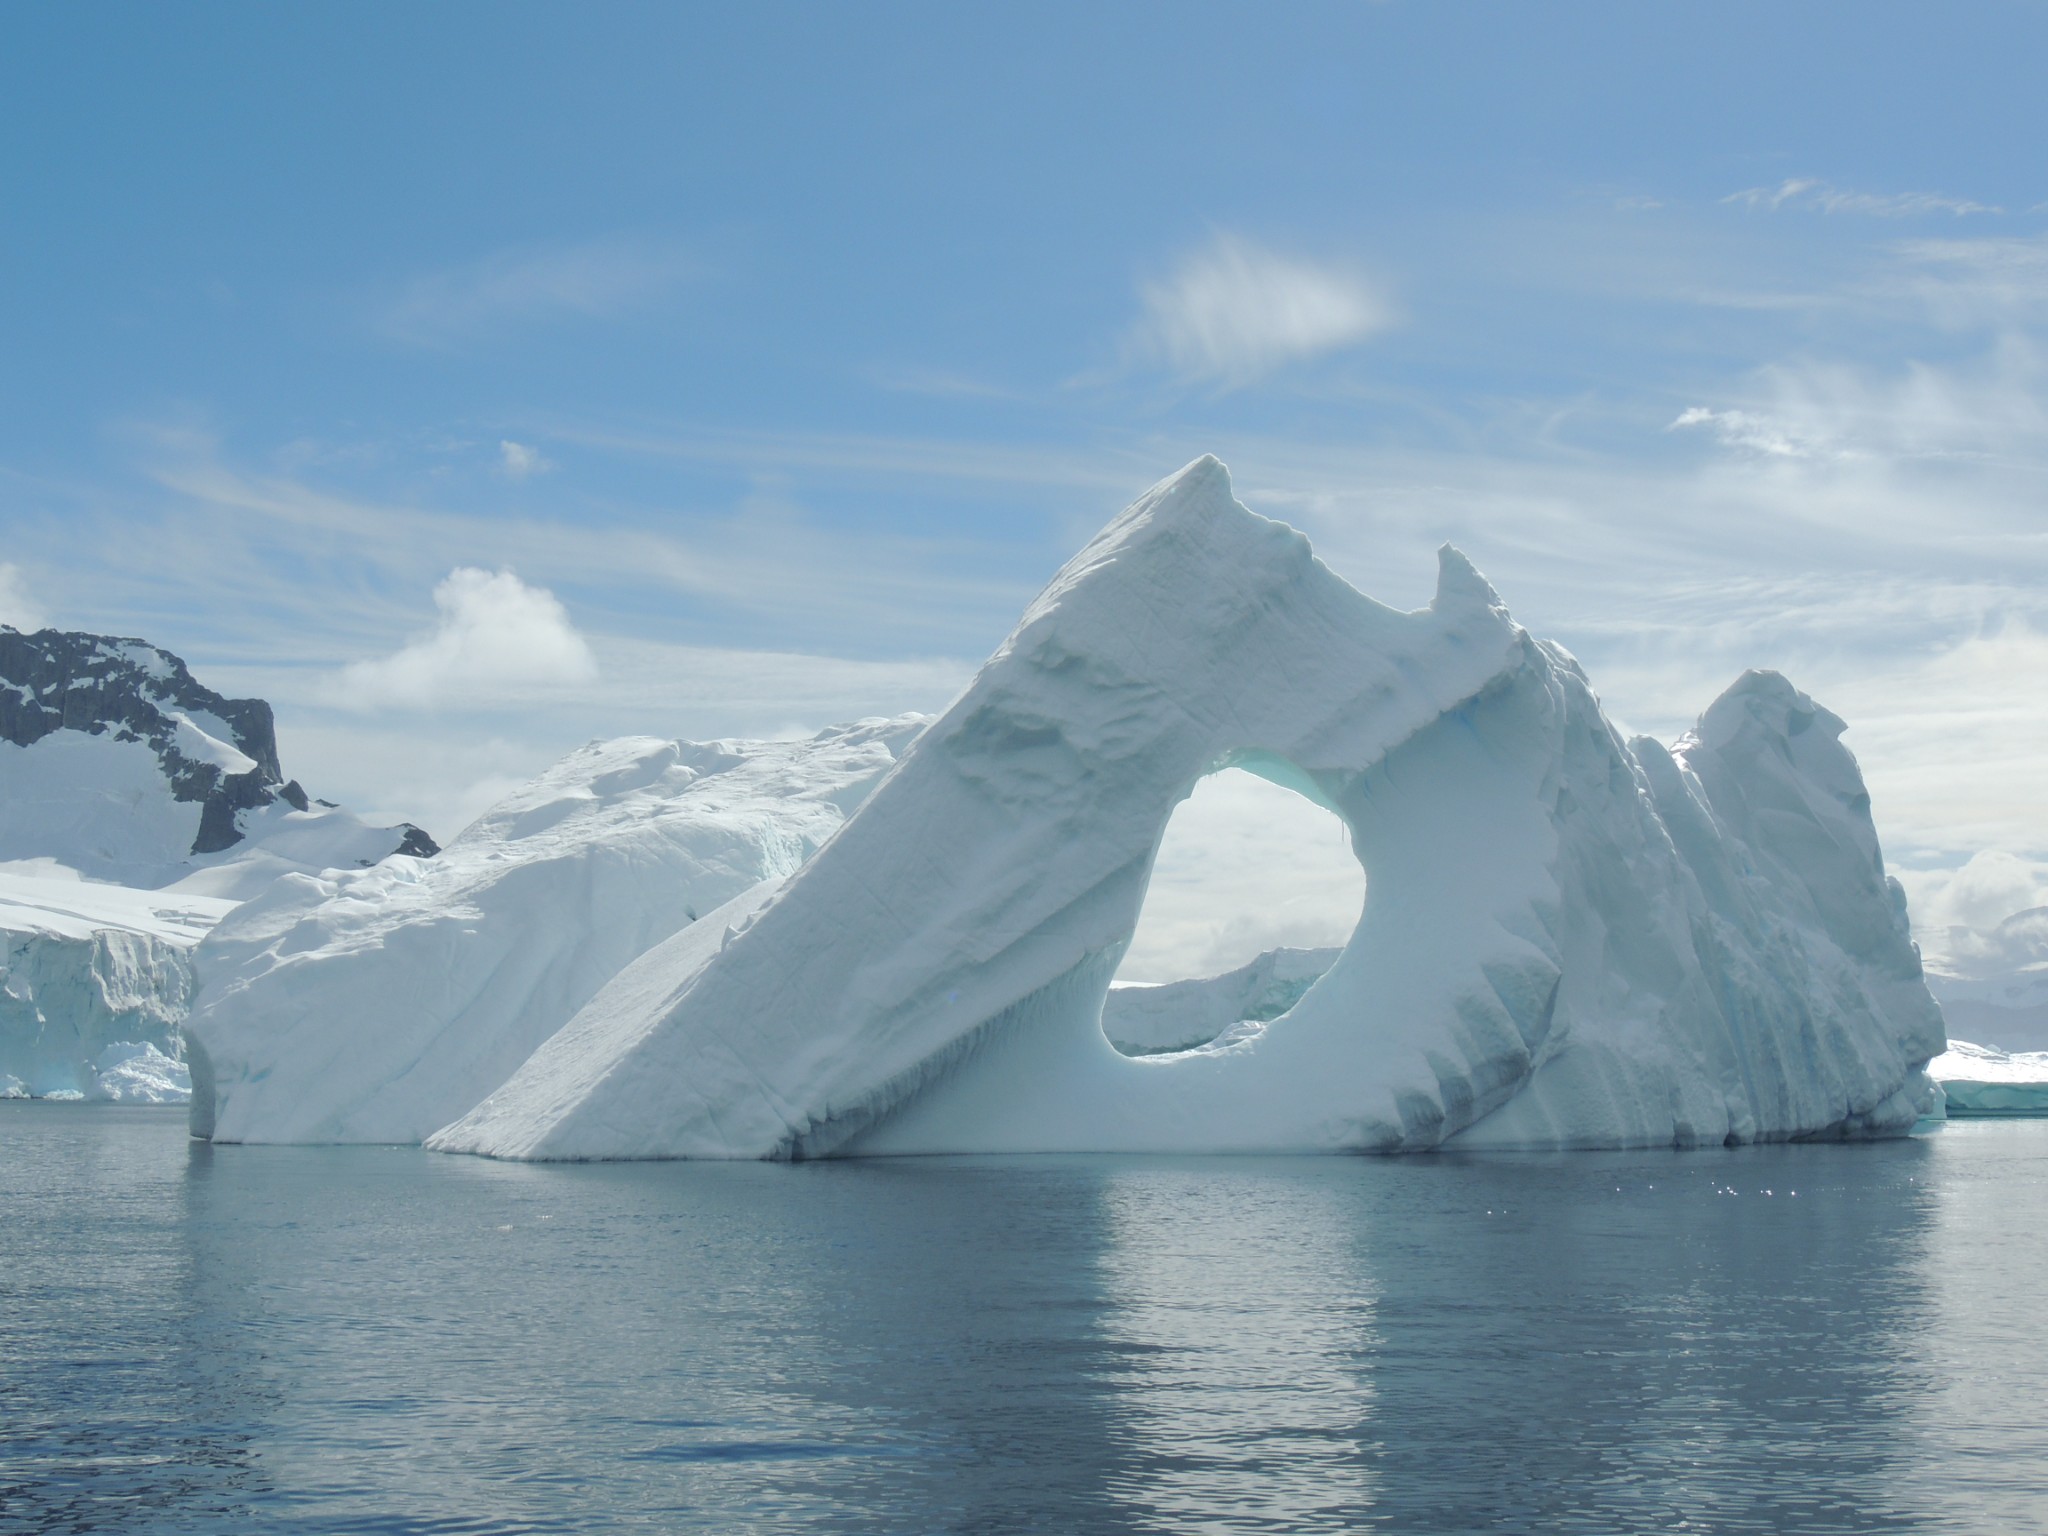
x=1792, y=1339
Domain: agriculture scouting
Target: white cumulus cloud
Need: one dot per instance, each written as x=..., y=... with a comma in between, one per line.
x=1233, y=311
x=16, y=606
x=496, y=640
x=518, y=461
x=1987, y=890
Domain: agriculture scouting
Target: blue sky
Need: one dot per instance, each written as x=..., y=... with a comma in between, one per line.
x=781, y=352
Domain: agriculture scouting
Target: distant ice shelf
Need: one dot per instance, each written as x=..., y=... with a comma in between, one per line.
x=1978, y=1080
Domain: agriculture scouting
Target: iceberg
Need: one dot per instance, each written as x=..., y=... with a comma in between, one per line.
x=1569, y=939
x=1982, y=1080
x=376, y=1005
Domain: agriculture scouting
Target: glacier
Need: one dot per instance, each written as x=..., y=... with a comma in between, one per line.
x=95, y=980
x=376, y=1005
x=1569, y=939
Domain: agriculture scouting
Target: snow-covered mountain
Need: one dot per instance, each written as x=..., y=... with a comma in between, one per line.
x=1993, y=987
x=137, y=807
x=116, y=762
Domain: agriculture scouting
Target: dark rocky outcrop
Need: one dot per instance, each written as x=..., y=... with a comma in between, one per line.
x=54, y=680
x=416, y=842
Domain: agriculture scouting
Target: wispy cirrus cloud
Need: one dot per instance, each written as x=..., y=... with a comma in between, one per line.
x=1747, y=429
x=595, y=279
x=758, y=571
x=1810, y=192
x=1986, y=283
x=1991, y=409
x=939, y=383
x=1233, y=311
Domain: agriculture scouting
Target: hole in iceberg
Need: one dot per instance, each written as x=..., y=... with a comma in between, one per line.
x=1254, y=889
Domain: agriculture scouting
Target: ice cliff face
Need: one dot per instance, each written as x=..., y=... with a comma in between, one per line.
x=1568, y=939
x=63, y=1001
x=94, y=977
x=376, y=1006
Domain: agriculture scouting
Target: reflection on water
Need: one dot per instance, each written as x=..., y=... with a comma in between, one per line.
x=1244, y=1397
x=1826, y=1338
x=1982, y=1410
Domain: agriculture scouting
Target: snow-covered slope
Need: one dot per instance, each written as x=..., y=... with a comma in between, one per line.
x=1980, y=1080
x=1568, y=939
x=378, y=1005
x=94, y=983
x=117, y=763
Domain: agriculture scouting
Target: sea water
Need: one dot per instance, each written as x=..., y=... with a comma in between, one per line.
x=1781, y=1339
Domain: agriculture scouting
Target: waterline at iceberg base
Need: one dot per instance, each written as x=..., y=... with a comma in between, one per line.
x=1569, y=940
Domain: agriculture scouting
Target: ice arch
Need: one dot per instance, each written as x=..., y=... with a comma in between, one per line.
x=1254, y=889
x=1246, y=865
x=1572, y=940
